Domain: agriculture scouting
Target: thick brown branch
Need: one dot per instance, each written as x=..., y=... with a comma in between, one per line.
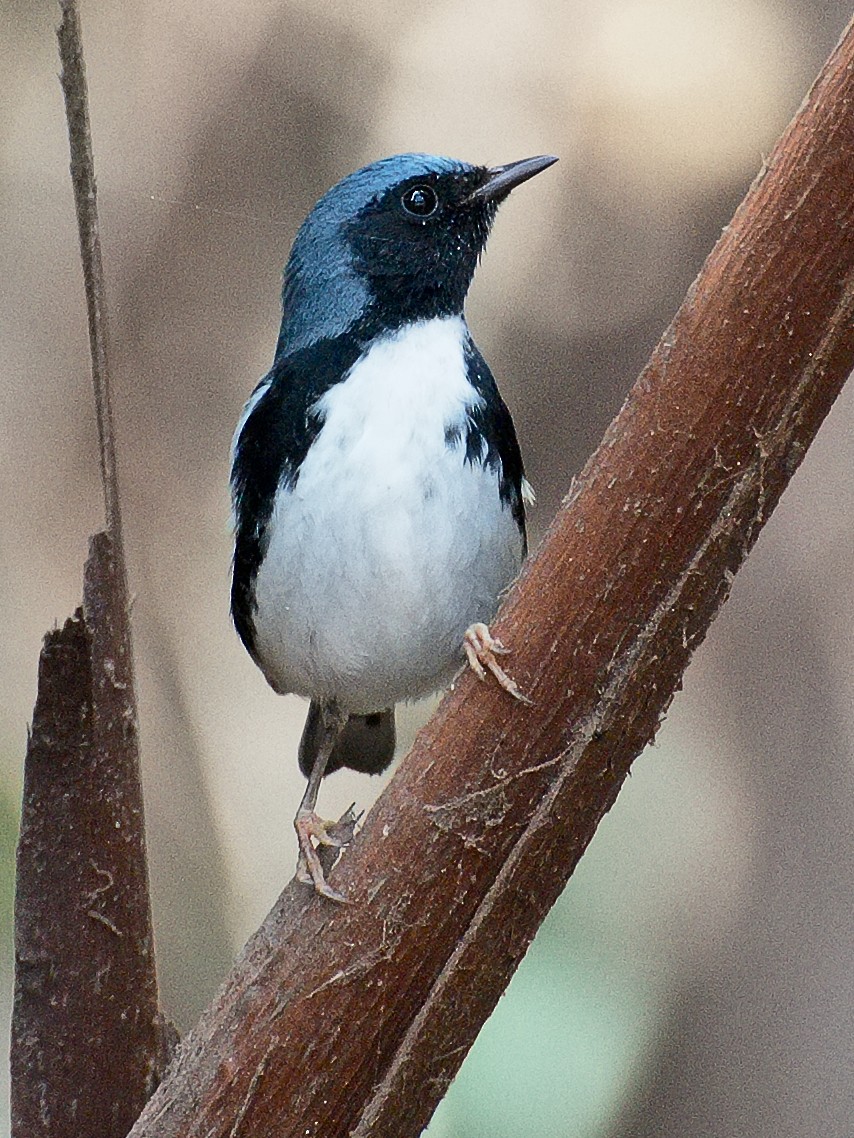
x=87, y=1042
x=351, y=1020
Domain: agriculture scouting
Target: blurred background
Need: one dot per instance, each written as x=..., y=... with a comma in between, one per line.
x=697, y=977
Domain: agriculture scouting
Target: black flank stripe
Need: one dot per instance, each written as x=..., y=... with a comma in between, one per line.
x=491, y=436
x=270, y=450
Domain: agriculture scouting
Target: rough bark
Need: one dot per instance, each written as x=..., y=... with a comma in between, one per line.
x=87, y=1042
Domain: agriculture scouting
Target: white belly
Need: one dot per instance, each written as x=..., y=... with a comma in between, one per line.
x=391, y=544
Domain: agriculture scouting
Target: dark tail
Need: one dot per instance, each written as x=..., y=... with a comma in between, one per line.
x=366, y=744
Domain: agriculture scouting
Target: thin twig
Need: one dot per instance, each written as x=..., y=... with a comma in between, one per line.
x=73, y=80
x=88, y=1040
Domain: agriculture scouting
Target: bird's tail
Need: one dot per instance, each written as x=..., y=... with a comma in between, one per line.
x=366, y=744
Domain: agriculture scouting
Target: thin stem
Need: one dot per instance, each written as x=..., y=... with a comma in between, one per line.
x=73, y=80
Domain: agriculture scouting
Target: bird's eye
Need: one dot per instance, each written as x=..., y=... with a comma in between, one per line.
x=420, y=201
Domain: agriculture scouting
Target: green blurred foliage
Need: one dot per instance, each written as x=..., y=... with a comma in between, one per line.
x=9, y=821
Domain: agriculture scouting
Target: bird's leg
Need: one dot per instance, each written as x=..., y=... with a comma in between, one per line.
x=481, y=648
x=307, y=823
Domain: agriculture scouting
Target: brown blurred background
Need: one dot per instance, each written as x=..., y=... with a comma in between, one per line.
x=696, y=978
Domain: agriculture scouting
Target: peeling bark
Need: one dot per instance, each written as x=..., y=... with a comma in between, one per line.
x=88, y=1044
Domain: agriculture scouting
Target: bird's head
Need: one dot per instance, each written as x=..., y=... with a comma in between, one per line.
x=398, y=240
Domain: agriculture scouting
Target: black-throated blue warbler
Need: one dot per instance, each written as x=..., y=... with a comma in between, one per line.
x=377, y=482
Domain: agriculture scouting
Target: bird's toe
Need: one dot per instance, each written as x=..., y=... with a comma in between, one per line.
x=481, y=649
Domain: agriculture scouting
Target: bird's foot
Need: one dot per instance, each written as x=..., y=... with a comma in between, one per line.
x=330, y=837
x=481, y=649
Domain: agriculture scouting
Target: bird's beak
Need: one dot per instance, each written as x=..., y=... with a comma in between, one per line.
x=501, y=180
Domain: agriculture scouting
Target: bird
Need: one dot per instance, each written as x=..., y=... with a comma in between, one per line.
x=378, y=488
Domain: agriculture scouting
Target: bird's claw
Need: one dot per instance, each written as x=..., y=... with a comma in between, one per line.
x=314, y=860
x=320, y=884
x=481, y=648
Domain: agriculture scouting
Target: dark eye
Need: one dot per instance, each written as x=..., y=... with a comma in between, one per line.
x=420, y=201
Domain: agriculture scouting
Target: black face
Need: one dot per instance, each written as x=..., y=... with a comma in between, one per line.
x=418, y=244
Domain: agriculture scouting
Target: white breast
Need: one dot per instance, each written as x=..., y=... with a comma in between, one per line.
x=390, y=544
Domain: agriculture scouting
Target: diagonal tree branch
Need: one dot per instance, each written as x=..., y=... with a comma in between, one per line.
x=352, y=1020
